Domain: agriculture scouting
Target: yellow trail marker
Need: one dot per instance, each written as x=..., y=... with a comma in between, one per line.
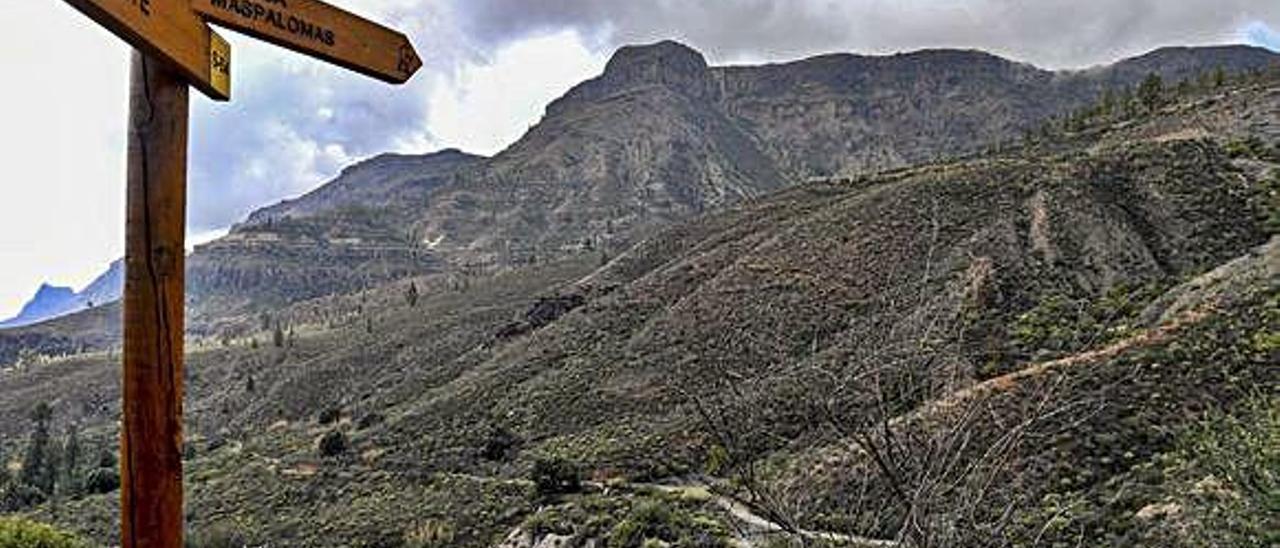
x=167, y=29
x=319, y=30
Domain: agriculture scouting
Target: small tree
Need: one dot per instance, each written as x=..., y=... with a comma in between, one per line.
x=1107, y=105
x=555, y=476
x=71, y=461
x=1151, y=92
x=277, y=337
x=102, y=481
x=1125, y=102
x=37, y=467
x=1219, y=77
x=411, y=295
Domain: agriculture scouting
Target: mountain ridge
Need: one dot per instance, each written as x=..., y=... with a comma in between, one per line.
x=50, y=302
x=660, y=136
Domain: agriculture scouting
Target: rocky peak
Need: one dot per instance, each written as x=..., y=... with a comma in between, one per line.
x=669, y=64
x=665, y=62
x=48, y=291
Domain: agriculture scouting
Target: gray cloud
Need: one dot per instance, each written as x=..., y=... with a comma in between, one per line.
x=294, y=123
x=287, y=133
x=1051, y=33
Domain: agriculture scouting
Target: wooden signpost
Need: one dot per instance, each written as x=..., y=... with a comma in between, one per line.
x=168, y=30
x=319, y=30
x=176, y=49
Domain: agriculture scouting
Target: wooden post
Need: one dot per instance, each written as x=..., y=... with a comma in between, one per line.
x=151, y=439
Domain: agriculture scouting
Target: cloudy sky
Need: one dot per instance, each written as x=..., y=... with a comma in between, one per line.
x=491, y=66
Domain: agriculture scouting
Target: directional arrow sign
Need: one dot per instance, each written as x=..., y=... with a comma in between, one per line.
x=317, y=29
x=167, y=29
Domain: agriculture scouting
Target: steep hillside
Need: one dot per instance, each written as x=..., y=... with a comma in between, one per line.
x=899, y=356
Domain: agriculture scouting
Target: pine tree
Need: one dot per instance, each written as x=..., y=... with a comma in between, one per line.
x=1107, y=105
x=71, y=460
x=277, y=337
x=1151, y=92
x=1219, y=77
x=36, y=467
x=1126, y=103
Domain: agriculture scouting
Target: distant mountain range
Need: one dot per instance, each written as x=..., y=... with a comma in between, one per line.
x=52, y=302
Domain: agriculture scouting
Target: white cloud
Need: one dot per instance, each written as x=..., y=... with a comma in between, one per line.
x=487, y=107
x=1260, y=34
x=62, y=121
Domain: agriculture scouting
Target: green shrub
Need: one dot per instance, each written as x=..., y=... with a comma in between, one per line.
x=1242, y=451
x=555, y=476
x=1061, y=325
x=1250, y=147
x=102, y=481
x=333, y=444
x=17, y=495
x=20, y=533
x=500, y=444
x=653, y=520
